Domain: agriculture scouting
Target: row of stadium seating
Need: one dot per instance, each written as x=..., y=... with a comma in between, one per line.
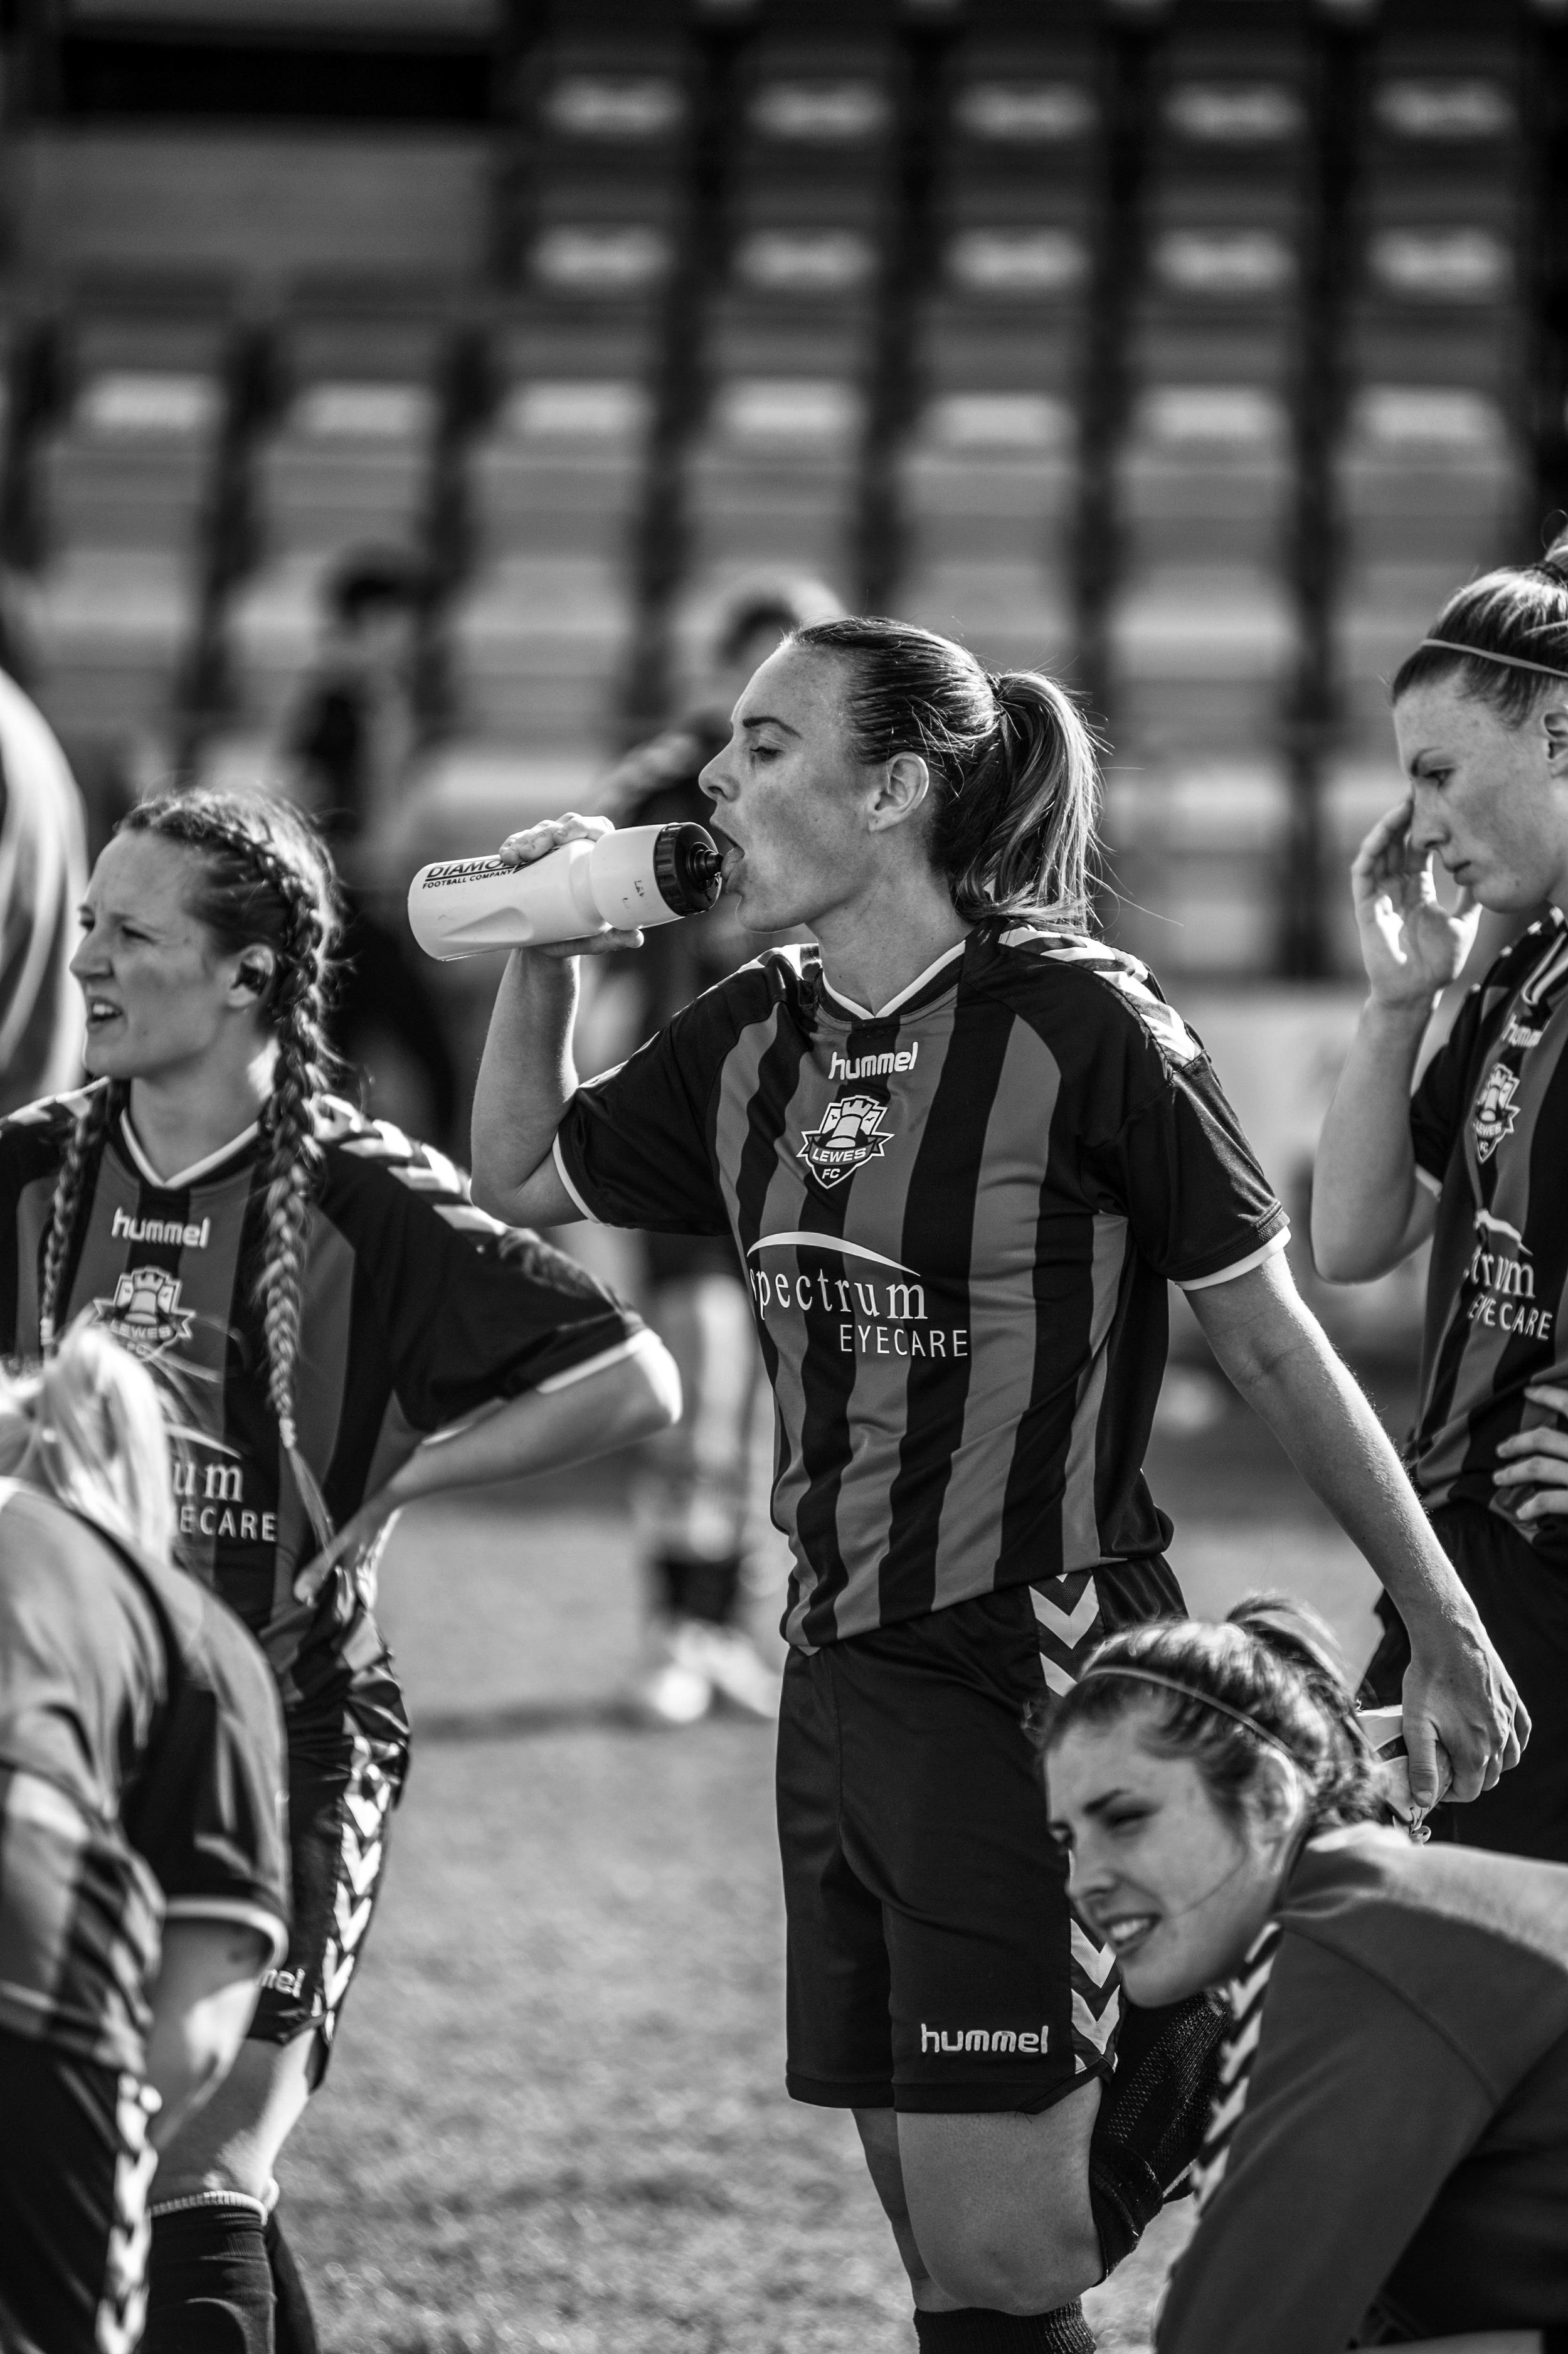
x=1186, y=351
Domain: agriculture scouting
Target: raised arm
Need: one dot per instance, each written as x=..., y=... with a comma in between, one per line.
x=527, y=1076
x=1456, y=1691
x=1369, y=1208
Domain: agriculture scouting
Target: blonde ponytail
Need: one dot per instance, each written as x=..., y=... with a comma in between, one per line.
x=87, y=1426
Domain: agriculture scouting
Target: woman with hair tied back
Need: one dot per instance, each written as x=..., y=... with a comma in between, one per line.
x=961, y=1147
x=143, y=1878
x=1387, y=2158
x=347, y=1333
x=1473, y=1159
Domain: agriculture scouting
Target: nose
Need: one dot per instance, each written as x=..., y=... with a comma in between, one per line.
x=1427, y=830
x=87, y=960
x=713, y=780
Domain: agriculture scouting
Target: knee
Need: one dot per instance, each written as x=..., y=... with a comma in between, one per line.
x=981, y=2263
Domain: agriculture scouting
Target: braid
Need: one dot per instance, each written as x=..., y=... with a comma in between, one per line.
x=72, y=1188
x=269, y=879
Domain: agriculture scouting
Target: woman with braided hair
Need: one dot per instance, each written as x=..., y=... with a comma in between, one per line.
x=1387, y=2158
x=331, y=1304
x=961, y=1148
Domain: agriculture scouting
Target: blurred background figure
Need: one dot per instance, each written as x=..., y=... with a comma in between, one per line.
x=697, y=1510
x=43, y=874
x=348, y=748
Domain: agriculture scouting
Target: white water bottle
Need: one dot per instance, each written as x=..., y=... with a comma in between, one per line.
x=619, y=883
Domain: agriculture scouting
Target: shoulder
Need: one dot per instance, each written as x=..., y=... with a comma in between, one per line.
x=67, y=1582
x=369, y=1163
x=778, y=977
x=33, y=1139
x=1099, y=996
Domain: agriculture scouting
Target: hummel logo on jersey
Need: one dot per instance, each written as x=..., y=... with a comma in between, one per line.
x=127, y=1229
x=873, y=1066
x=1496, y=1112
x=980, y=2039
x=145, y=1312
x=851, y=1134
x=1518, y=1033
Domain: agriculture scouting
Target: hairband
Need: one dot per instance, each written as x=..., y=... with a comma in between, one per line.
x=1190, y=1691
x=1482, y=654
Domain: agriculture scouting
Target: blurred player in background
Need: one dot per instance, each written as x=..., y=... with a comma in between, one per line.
x=43, y=870
x=350, y=1333
x=347, y=751
x=694, y=1496
x=1388, y=2163
x=963, y=1149
x=1477, y=1158
x=143, y=1876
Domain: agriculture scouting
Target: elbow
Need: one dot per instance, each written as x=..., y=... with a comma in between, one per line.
x=488, y=1197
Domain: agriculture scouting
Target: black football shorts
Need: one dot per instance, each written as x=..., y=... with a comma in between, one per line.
x=934, y=1961
x=75, y=2166
x=346, y=1776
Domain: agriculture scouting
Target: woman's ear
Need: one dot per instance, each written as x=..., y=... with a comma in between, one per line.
x=1554, y=719
x=253, y=974
x=1273, y=1803
x=905, y=783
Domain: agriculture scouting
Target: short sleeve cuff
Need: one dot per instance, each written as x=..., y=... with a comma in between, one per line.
x=565, y=1175
x=1423, y=1177
x=635, y=1346
x=233, y=1908
x=1270, y=1249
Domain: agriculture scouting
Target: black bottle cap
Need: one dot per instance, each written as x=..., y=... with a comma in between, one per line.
x=686, y=868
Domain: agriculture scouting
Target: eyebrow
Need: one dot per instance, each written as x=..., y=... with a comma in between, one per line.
x=768, y=720
x=1096, y=1806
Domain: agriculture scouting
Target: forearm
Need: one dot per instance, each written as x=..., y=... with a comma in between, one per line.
x=527, y=1078
x=202, y=2007
x=1363, y=1181
x=544, y=1431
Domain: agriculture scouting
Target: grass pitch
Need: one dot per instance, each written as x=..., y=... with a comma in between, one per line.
x=555, y=2120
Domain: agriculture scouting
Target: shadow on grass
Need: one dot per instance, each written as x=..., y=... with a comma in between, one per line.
x=526, y=1720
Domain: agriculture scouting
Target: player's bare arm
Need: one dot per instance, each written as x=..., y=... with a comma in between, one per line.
x=1370, y=1210
x=1457, y=1696
x=541, y=1430
x=208, y=1977
x=527, y=1075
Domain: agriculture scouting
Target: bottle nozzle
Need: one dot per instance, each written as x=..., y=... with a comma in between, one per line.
x=688, y=866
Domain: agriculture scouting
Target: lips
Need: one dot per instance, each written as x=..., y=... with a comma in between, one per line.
x=100, y=1010
x=733, y=853
x=1125, y=1932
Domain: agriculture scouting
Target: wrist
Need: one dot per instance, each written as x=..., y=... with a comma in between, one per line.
x=1402, y=1018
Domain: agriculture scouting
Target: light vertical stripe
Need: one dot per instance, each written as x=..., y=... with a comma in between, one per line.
x=1081, y=1546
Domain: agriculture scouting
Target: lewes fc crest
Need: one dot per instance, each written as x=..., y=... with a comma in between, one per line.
x=145, y=1312
x=1496, y=1111
x=851, y=1134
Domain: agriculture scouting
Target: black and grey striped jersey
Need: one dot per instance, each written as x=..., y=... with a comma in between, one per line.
x=959, y=1215
x=1489, y=1126
x=417, y=1310
x=141, y=1778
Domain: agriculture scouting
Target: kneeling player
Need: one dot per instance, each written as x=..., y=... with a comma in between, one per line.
x=144, y=1883
x=332, y=1300
x=1387, y=2160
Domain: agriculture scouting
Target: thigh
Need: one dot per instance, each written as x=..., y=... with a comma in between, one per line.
x=998, y=1999
x=74, y=2164
x=840, y=2053
x=234, y=2140
x=1523, y=1604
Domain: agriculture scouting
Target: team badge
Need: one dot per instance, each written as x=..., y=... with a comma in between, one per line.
x=1496, y=1112
x=145, y=1312
x=851, y=1134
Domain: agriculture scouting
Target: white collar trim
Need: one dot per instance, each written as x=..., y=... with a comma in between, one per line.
x=198, y=1169
x=864, y=1013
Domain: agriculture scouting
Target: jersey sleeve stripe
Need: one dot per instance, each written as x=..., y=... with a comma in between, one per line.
x=565, y=1175
x=636, y=1346
x=232, y=1908
x=1425, y=1177
x=1275, y=1244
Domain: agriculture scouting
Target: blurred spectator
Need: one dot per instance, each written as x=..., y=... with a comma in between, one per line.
x=348, y=747
x=693, y=1496
x=43, y=874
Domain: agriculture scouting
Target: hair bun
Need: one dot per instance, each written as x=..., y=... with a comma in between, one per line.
x=1556, y=556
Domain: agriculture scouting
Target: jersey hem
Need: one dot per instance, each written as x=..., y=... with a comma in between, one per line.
x=564, y=1175
x=233, y=1908
x=1270, y=1249
x=1425, y=1177
x=635, y=1345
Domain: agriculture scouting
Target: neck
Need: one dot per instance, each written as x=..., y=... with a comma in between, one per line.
x=873, y=949
x=184, y=1116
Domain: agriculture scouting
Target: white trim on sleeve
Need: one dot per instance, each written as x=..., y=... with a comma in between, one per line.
x=565, y=1175
x=1270, y=1249
x=1423, y=1177
x=232, y=1908
x=635, y=1346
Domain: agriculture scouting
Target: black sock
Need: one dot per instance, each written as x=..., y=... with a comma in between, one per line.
x=712, y=1589
x=976, y=2329
x=1152, y=2118
x=667, y=1578
x=294, y=2326
x=209, y=2287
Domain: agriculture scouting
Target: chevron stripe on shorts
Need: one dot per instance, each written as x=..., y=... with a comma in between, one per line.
x=366, y=1803
x=1069, y=1622
x=1245, y=1996
x=122, y=2302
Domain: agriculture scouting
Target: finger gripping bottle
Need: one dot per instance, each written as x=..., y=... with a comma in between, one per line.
x=622, y=882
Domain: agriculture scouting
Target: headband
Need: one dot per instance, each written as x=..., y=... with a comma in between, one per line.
x=1481, y=653
x=1190, y=1691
